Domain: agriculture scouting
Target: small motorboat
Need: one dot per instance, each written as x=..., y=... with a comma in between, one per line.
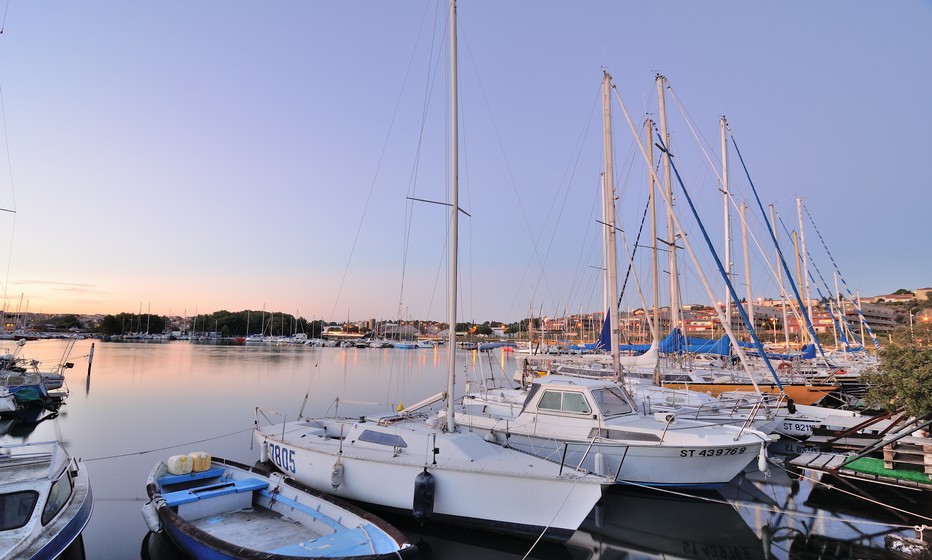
x=217, y=508
x=45, y=500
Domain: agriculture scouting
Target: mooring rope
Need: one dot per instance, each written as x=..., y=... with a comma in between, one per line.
x=144, y=452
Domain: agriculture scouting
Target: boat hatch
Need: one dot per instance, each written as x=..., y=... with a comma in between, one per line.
x=382, y=438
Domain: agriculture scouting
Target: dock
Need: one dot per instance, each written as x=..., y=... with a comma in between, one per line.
x=863, y=468
x=896, y=458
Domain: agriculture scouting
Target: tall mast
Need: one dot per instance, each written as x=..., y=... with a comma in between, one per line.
x=655, y=268
x=454, y=217
x=723, y=125
x=608, y=204
x=668, y=187
x=799, y=274
x=605, y=234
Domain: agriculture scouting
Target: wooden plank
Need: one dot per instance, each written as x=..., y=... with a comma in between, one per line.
x=905, y=450
x=835, y=462
x=823, y=460
x=805, y=459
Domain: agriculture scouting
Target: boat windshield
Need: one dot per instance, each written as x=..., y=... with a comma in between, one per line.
x=58, y=497
x=611, y=401
x=16, y=508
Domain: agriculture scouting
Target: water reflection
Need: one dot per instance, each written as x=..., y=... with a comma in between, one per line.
x=664, y=522
x=151, y=401
x=22, y=423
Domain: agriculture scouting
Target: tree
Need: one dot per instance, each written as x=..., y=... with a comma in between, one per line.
x=902, y=292
x=484, y=329
x=904, y=376
x=65, y=322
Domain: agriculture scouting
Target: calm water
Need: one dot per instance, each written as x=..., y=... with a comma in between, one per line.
x=144, y=402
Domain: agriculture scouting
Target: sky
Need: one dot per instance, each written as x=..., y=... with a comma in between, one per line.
x=180, y=157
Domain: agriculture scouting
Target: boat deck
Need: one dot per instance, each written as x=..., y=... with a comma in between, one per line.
x=31, y=461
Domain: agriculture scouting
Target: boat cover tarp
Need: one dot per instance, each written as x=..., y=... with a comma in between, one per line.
x=807, y=352
x=675, y=342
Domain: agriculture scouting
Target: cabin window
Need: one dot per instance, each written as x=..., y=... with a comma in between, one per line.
x=58, y=497
x=611, y=401
x=564, y=402
x=16, y=508
x=575, y=402
x=551, y=400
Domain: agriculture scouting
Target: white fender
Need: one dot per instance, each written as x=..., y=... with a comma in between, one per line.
x=336, y=475
x=151, y=514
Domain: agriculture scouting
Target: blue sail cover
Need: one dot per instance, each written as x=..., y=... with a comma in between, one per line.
x=807, y=352
x=675, y=342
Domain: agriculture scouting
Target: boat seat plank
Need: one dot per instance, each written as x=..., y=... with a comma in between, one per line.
x=213, y=490
x=168, y=479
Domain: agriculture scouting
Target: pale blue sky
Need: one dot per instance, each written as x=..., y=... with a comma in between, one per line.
x=220, y=155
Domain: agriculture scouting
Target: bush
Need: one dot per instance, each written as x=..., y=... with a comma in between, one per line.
x=904, y=376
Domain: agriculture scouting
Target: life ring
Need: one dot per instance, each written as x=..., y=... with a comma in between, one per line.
x=784, y=366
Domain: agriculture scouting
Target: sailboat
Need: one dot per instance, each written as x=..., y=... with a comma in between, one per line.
x=597, y=424
x=417, y=461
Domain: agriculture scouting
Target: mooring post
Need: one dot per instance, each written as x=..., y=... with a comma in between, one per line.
x=90, y=360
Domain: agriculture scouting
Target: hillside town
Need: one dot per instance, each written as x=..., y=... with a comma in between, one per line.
x=774, y=319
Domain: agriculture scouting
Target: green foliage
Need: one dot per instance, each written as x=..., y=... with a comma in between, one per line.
x=65, y=322
x=244, y=323
x=904, y=377
x=521, y=327
x=132, y=322
x=902, y=292
x=484, y=328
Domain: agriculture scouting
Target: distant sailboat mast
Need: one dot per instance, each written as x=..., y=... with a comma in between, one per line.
x=689, y=250
x=742, y=211
x=783, y=298
x=805, y=258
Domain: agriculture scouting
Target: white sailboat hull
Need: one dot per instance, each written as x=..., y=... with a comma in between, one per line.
x=476, y=483
x=699, y=464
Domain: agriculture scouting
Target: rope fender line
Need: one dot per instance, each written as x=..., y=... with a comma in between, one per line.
x=147, y=451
